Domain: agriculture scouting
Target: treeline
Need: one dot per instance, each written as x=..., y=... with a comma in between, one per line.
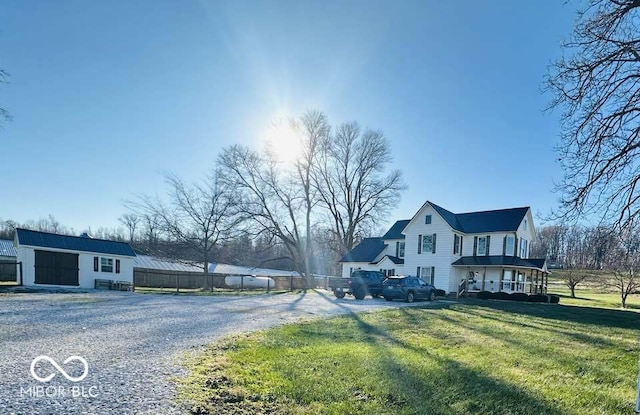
x=597, y=253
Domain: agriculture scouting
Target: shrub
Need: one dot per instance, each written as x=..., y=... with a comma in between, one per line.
x=484, y=295
x=554, y=299
x=500, y=296
x=538, y=298
x=518, y=297
x=441, y=293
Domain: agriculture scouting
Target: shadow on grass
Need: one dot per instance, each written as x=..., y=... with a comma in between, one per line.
x=607, y=317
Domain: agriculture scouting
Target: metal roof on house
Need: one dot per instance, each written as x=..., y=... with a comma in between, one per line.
x=395, y=232
x=501, y=260
x=7, y=248
x=365, y=251
x=151, y=262
x=501, y=220
x=73, y=243
x=394, y=259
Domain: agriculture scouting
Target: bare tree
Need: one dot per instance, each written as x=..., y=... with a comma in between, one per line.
x=625, y=265
x=574, y=271
x=130, y=221
x=198, y=215
x=4, y=114
x=276, y=200
x=352, y=182
x=597, y=86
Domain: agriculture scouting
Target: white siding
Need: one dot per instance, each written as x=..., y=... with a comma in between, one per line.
x=528, y=234
x=445, y=277
x=86, y=275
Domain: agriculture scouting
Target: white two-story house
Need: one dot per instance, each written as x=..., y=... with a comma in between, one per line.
x=457, y=252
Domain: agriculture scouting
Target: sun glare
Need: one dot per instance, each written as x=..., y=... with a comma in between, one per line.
x=283, y=140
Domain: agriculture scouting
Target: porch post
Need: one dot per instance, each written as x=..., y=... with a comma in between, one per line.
x=484, y=275
x=536, y=290
x=546, y=284
x=531, y=285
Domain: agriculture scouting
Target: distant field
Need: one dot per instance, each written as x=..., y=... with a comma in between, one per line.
x=469, y=357
x=591, y=292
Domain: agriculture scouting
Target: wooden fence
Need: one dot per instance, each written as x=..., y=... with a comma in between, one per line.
x=151, y=278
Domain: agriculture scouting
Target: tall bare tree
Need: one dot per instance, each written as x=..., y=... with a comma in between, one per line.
x=130, y=221
x=279, y=201
x=4, y=114
x=625, y=264
x=198, y=215
x=597, y=86
x=354, y=186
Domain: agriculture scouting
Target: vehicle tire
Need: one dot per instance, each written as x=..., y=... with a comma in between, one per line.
x=411, y=297
x=359, y=294
x=388, y=298
x=432, y=295
x=338, y=294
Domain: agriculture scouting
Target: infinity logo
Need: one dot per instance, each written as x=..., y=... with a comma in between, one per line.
x=61, y=370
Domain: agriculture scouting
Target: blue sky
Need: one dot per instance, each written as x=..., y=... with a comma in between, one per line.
x=107, y=95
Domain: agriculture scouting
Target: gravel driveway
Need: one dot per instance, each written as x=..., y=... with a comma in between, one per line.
x=131, y=342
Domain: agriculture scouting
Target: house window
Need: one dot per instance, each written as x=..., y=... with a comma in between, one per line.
x=427, y=220
x=117, y=266
x=400, y=249
x=523, y=248
x=426, y=274
x=456, y=244
x=509, y=245
x=482, y=246
x=106, y=264
x=524, y=225
x=427, y=243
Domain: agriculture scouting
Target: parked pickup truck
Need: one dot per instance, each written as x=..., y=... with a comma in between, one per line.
x=360, y=284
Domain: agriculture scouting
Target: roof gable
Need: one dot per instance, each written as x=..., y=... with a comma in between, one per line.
x=500, y=220
x=73, y=243
x=395, y=232
x=366, y=251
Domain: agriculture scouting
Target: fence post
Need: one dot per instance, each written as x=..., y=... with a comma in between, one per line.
x=177, y=283
x=268, y=284
x=241, y=282
x=211, y=286
x=20, y=263
x=291, y=283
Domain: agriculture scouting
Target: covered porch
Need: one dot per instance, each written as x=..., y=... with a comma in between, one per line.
x=501, y=274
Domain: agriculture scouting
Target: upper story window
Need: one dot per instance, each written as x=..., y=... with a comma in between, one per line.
x=427, y=220
x=523, y=248
x=106, y=264
x=400, y=249
x=427, y=243
x=482, y=245
x=524, y=225
x=457, y=244
x=509, y=245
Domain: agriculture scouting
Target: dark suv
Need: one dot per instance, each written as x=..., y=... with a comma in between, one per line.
x=407, y=288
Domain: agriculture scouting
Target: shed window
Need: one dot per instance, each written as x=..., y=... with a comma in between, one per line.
x=106, y=264
x=427, y=220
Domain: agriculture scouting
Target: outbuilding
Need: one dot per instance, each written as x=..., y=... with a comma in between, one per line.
x=50, y=259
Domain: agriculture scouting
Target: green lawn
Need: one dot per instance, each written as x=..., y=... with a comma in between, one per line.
x=593, y=298
x=472, y=357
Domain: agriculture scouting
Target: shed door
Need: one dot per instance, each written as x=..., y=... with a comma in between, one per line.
x=56, y=268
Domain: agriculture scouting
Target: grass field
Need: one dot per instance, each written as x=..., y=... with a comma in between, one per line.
x=471, y=357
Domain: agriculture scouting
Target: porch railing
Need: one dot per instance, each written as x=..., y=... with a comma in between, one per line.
x=462, y=288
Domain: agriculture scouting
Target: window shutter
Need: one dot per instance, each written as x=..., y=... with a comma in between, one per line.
x=433, y=275
x=434, y=244
x=475, y=245
x=515, y=246
x=419, y=244
x=504, y=246
x=460, y=245
x=455, y=242
x=488, y=245
x=117, y=266
x=95, y=264
x=418, y=272
x=397, y=248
